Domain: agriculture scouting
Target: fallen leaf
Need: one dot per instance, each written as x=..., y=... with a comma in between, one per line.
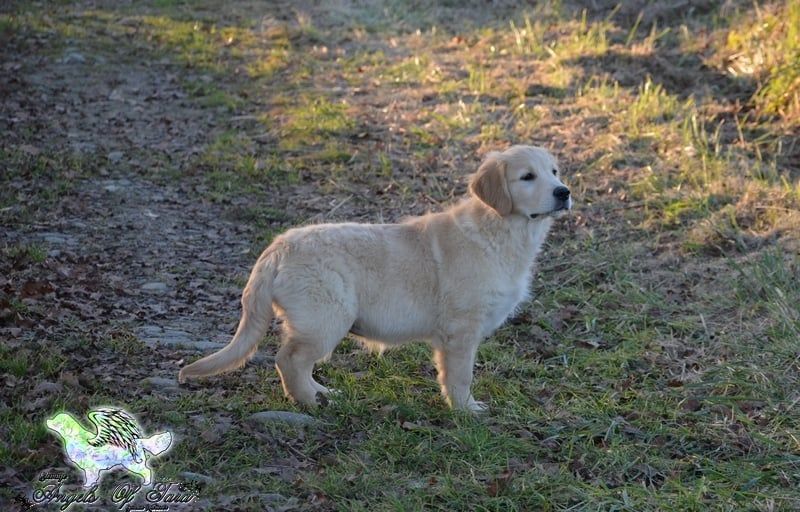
x=35, y=289
x=498, y=484
x=38, y=404
x=69, y=379
x=47, y=387
x=562, y=316
x=691, y=405
x=29, y=149
x=591, y=343
x=410, y=425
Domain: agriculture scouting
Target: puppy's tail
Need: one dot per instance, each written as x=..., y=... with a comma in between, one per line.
x=256, y=316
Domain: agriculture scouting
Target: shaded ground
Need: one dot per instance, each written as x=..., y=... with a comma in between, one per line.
x=149, y=255
x=150, y=152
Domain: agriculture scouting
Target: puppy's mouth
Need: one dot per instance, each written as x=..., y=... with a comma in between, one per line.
x=558, y=212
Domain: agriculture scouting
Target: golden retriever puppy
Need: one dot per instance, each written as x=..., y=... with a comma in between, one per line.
x=448, y=278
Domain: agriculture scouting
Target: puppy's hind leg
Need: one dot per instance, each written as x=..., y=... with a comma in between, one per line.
x=296, y=358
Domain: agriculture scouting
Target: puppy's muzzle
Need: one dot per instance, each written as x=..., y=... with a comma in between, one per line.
x=561, y=193
x=563, y=203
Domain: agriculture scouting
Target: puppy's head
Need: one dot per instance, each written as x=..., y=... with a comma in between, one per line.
x=521, y=180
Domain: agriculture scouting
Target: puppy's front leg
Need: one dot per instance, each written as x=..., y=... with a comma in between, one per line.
x=455, y=362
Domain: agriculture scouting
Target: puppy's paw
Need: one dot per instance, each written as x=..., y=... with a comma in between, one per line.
x=477, y=407
x=472, y=406
x=328, y=396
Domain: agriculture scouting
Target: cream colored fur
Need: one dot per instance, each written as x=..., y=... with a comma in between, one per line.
x=448, y=278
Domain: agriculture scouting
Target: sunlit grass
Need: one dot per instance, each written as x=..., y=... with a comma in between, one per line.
x=8, y=25
x=313, y=120
x=412, y=71
x=211, y=96
x=529, y=37
x=767, y=47
x=233, y=163
x=585, y=39
x=650, y=106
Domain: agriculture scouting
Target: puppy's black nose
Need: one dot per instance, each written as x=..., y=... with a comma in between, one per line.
x=561, y=193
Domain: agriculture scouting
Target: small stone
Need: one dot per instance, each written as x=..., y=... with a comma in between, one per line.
x=84, y=147
x=116, y=95
x=196, y=477
x=692, y=405
x=271, y=498
x=73, y=58
x=57, y=238
x=115, y=185
x=29, y=149
x=155, y=335
x=202, y=346
x=292, y=418
x=47, y=387
x=159, y=382
x=155, y=287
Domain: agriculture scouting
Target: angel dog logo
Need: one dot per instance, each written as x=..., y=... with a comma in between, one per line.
x=116, y=441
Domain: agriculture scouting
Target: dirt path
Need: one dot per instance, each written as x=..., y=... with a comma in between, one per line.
x=129, y=269
x=152, y=256
x=125, y=270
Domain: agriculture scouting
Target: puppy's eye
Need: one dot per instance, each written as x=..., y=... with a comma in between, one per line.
x=555, y=172
x=528, y=177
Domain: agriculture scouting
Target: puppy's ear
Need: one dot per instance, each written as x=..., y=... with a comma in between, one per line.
x=490, y=186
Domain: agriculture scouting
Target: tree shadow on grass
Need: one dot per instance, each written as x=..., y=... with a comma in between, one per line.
x=687, y=73
x=683, y=75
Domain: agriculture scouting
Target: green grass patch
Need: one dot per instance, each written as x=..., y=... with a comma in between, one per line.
x=651, y=105
x=234, y=163
x=196, y=43
x=19, y=431
x=315, y=120
x=211, y=96
x=25, y=253
x=15, y=363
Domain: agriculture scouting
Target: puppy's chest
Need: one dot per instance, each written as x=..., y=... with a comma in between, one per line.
x=499, y=293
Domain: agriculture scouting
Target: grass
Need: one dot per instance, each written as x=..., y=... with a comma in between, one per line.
x=313, y=120
x=50, y=177
x=233, y=163
x=767, y=47
x=213, y=97
x=25, y=253
x=655, y=367
x=652, y=105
